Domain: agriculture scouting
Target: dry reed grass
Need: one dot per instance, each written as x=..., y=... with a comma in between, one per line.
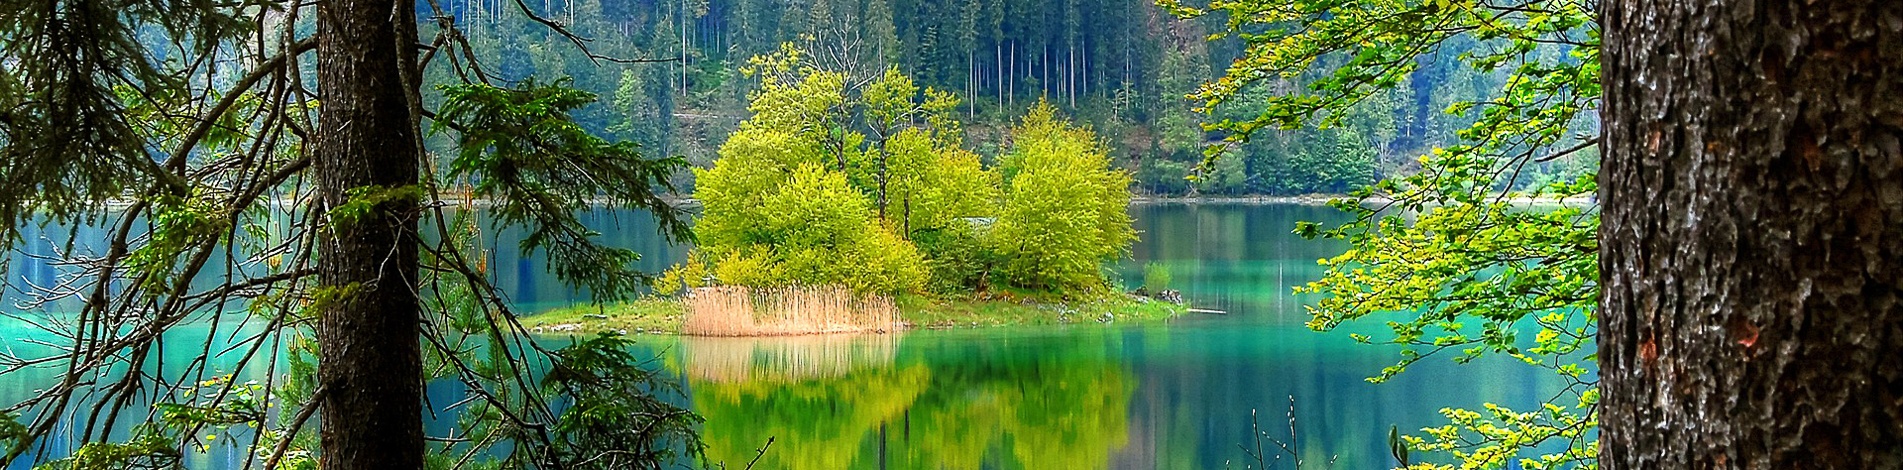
x=785, y=359
x=798, y=310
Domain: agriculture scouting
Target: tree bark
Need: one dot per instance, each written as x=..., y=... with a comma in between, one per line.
x=370, y=364
x=1752, y=236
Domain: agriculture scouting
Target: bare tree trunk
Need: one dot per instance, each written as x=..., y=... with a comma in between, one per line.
x=1070, y=72
x=1752, y=237
x=882, y=134
x=683, y=24
x=883, y=159
x=371, y=364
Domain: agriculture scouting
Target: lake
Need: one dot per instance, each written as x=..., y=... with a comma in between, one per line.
x=1179, y=394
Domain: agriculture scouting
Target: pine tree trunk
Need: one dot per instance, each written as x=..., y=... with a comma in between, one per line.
x=1752, y=237
x=683, y=24
x=371, y=365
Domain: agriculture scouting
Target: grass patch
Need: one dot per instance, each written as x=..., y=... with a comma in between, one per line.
x=656, y=315
x=1010, y=309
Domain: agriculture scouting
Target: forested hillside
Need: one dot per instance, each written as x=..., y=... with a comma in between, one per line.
x=672, y=77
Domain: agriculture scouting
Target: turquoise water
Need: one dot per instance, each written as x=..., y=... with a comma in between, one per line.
x=1172, y=395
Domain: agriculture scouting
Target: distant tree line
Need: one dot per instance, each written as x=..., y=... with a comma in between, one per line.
x=1122, y=66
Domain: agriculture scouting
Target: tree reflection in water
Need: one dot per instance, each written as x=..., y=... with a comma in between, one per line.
x=832, y=402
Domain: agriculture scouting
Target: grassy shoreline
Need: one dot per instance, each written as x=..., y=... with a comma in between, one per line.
x=665, y=316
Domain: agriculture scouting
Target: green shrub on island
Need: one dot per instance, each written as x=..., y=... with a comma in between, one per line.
x=811, y=228
x=1065, y=209
x=1156, y=277
x=935, y=185
x=863, y=181
x=957, y=256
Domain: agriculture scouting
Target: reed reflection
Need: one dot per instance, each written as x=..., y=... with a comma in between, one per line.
x=881, y=401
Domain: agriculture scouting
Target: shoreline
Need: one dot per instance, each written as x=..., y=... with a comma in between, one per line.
x=665, y=316
x=1305, y=200
x=1324, y=199
x=1318, y=199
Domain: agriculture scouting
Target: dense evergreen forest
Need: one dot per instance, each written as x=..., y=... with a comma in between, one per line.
x=672, y=77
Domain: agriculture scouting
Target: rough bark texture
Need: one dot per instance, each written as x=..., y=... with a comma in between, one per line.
x=1752, y=234
x=370, y=366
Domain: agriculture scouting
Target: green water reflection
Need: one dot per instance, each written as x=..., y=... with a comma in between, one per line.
x=1175, y=395
x=912, y=402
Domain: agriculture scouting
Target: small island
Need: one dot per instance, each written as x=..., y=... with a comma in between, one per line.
x=667, y=315
x=849, y=201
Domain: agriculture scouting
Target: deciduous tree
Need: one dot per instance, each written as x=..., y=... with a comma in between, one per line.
x=1065, y=206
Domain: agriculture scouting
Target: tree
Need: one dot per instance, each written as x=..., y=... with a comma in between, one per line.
x=309, y=225
x=881, y=33
x=807, y=181
x=1752, y=235
x=936, y=184
x=1064, y=206
x=808, y=227
x=367, y=152
x=874, y=176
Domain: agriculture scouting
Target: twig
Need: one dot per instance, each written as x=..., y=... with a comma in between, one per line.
x=1261, y=459
x=762, y=453
x=581, y=43
x=297, y=424
x=1569, y=150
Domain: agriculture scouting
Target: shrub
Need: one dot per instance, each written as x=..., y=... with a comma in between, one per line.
x=1064, y=209
x=868, y=188
x=1156, y=277
x=810, y=229
x=958, y=257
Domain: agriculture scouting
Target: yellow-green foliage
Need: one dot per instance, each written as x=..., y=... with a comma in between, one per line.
x=794, y=197
x=862, y=182
x=810, y=228
x=1064, y=206
x=934, y=184
x=778, y=208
